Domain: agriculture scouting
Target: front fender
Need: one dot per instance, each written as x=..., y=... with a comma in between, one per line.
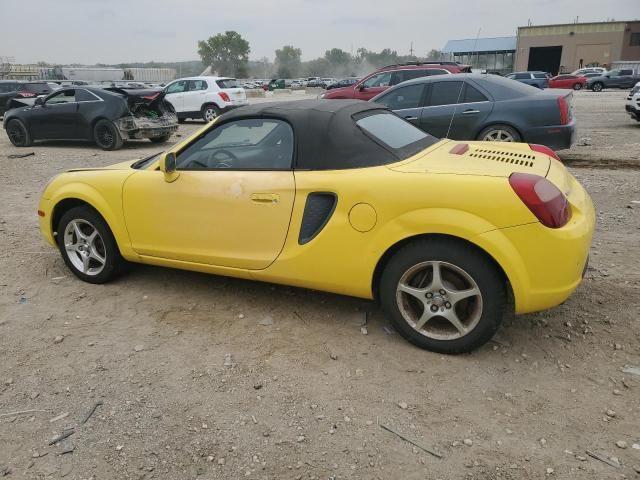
x=105, y=197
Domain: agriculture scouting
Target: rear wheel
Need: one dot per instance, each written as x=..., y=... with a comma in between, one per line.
x=443, y=296
x=88, y=246
x=577, y=86
x=18, y=133
x=210, y=112
x=161, y=139
x=106, y=135
x=499, y=133
x=597, y=87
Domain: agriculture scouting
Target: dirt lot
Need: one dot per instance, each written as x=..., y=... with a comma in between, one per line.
x=309, y=392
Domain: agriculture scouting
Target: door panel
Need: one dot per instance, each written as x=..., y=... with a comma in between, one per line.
x=225, y=218
x=194, y=96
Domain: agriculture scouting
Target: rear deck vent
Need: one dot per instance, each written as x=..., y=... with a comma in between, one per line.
x=506, y=157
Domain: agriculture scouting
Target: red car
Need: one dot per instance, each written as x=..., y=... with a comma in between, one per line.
x=568, y=81
x=378, y=81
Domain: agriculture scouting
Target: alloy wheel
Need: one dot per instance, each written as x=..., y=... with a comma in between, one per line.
x=210, y=115
x=439, y=300
x=16, y=135
x=498, y=136
x=84, y=247
x=105, y=136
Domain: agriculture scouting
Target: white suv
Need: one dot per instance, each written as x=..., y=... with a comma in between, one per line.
x=633, y=102
x=204, y=97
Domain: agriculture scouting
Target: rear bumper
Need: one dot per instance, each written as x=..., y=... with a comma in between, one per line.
x=558, y=137
x=544, y=265
x=633, y=111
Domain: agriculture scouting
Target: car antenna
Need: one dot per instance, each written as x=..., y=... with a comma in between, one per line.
x=455, y=107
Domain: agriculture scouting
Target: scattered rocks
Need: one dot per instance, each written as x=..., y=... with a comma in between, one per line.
x=403, y=405
x=228, y=361
x=617, y=392
x=363, y=330
x=543, y=442
x=8, y=382
x=257, y=386
x=221, y=461
x=58, y=339
x=119, y=448
x=241, y=316
x=456, y=443
x=581, y=458
x=610, y=413
x=300, y=438
x=550, y=471
x=138, y=348
x=621, y=444
x=468, y=442
x=266, y=321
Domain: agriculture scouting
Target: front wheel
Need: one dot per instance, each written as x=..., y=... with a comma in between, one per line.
x=443, y=296
x=499, y=133
x=597, y=87
x=87, y=246
x=18, y=134
x=106, y=135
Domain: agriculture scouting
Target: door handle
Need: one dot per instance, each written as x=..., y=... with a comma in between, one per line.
x=411, y=118
x=265, y=198
x=470, y=112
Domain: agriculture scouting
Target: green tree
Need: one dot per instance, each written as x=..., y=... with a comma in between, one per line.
x=227, y=53
x=434, y=55
x=288, y=61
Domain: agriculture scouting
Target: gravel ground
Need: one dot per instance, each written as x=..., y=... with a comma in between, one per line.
x=308, y=393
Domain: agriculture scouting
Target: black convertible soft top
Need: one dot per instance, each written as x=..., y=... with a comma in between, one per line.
x=327, y=137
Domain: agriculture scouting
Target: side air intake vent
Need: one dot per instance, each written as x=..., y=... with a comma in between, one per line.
x=506, y=157
x=317, y=212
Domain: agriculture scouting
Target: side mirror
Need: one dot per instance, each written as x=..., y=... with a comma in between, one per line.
x=39, y=101
x=362, y=87
x=168, y=166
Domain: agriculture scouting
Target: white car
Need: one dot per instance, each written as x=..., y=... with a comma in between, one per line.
x=582, y=71
x=633, y=102
x=204, y=97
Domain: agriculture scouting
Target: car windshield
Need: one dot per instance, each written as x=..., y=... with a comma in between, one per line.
x=398, y=135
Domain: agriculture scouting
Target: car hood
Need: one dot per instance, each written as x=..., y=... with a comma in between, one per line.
x=492, y=159
x=337, y=91
x=116, y=166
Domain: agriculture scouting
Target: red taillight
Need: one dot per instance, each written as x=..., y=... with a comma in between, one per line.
x=25, y=94
x=224, y=96
x=544, y=149
x=564, y=110
x=543, y=198
x=152, y=96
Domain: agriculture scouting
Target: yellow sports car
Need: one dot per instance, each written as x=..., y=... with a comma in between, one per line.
x=346, y=197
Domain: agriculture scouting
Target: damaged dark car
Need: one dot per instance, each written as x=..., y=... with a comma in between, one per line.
x=107, y=117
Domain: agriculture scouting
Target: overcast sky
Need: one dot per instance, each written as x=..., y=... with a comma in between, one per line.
x=114, y=31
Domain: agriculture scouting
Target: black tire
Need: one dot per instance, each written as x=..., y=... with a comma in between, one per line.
x=210, y=112
x=104, y=244
x=477, y=266
x=182, y=120
x=106, y=135
x=494, y=130
x=597, y=87
x=18, y=133
x=577, y=86
x=161, y=139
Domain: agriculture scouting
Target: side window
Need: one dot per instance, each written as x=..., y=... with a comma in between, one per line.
x=436, y=71
x=177, y=87
x=248, y=144
x=85, y=96
x=404, y=75
x=539, y=75
x=403, y=97
x=446, y=93
x=381, y=80
x=626, y=72
x=522, y=76
x=473, y=95
x=66, y=96
x=196, y=85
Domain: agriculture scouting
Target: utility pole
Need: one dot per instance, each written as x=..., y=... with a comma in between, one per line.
x=411, y=49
